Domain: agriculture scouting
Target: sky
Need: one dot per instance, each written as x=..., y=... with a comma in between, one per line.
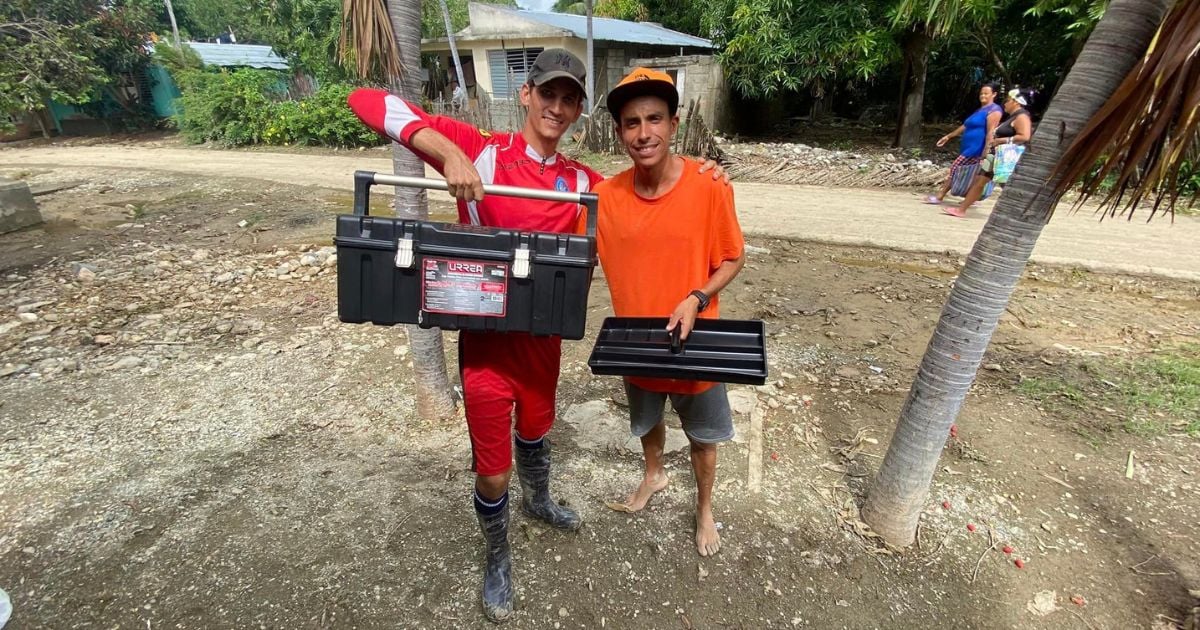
x=536, y=5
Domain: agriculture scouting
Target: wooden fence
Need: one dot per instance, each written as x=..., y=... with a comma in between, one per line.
x=598, y=134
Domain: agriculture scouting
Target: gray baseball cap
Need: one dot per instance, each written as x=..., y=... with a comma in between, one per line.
x=558, y=63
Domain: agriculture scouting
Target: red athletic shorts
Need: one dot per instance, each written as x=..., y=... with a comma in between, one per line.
x=500, y=371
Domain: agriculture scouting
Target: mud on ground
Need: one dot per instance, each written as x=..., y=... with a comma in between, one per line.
x=189, y=438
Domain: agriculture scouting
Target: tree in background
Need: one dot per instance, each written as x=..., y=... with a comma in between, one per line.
x=383, y=42
x=306, y=33
x=919, y=23
x=772, y=46
x=201, y=20
x=71, y=51
x=1144, y=120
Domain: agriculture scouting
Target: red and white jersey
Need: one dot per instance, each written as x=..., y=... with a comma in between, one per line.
x=500, y=158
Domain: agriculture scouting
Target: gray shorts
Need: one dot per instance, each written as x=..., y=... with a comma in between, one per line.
x=706, y=416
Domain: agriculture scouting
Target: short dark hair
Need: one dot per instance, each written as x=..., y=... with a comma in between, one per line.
x=994, y=86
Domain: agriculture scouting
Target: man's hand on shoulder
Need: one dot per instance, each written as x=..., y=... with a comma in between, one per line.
x=718, y=171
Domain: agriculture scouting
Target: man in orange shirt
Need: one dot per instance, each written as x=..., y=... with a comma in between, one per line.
x=669, y=241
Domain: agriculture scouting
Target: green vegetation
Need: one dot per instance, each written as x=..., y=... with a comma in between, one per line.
x=72, y=51
x=249, y=106
x=1154, y=395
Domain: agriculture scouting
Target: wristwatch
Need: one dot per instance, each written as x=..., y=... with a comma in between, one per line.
x=702, y=298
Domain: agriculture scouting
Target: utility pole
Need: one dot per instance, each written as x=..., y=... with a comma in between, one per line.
x=591, y=61
x=174, y=26
x=462, y=81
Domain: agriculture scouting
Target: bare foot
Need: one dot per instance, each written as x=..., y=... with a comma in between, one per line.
x=708, y=541
x=640, y=497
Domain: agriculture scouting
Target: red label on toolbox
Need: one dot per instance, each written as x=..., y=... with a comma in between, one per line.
x=464, y=287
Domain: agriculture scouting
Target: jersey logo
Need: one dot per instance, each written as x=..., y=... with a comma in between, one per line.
x=485, y=133
x=560, y=184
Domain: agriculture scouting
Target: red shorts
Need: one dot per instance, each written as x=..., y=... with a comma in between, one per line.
x=500, y=371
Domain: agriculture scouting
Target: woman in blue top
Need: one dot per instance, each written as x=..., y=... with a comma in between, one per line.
x=975, y=131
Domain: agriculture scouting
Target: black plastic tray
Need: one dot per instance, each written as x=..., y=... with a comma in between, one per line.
x=720, y=350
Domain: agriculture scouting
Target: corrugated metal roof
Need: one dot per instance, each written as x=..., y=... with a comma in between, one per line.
x=238, y=55
x=608, y=29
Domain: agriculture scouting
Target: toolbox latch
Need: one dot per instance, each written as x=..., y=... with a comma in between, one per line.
x=404, y=253
x=521, y=263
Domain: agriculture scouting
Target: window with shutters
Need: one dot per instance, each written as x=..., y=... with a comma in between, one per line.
x=509, y=69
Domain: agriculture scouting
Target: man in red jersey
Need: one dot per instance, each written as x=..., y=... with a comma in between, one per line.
x=503, y=371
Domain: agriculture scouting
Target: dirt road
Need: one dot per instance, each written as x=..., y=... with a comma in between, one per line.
x=189, y=438
x=879, y=218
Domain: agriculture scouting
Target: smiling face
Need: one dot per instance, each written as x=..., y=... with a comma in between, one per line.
x=986, y=95
x=646, y=128
x=553, y=107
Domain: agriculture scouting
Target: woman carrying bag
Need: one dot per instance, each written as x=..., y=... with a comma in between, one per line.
x=975, y=131
x=1009, y=140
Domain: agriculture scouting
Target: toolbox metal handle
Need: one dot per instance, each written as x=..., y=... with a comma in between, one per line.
x=363, y=180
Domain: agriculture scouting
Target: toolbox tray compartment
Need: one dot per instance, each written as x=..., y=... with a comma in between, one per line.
x=720, y=350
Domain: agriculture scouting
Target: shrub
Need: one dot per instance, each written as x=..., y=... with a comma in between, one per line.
x=321, y=119
x=243, y=107
x=225, y=107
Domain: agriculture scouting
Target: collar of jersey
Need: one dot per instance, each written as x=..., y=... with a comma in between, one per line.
x=533, y=154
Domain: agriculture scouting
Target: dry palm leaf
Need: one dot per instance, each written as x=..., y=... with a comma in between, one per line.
x=1146, y=133
x=368, y=44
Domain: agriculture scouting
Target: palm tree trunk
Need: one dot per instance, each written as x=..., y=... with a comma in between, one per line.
x=912, y=92
x=433, y=394
x=981, y=292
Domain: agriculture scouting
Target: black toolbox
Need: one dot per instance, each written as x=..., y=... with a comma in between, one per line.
x=463, y=277
x=720, y=350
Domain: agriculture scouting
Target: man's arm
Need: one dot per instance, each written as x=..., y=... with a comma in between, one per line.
x=443, y=142
x=461, y=177
x=687, y=310
x=726, y=255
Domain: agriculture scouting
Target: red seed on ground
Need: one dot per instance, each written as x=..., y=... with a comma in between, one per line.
x=946, y=505
x=954, y=430
x=1078, y=600
x=1020, y=563
x=1007, y=549
x=970, y=527
x=774, y=457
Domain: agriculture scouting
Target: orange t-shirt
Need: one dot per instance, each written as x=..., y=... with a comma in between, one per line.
x=656, y=251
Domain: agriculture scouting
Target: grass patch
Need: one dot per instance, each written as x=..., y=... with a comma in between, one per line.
x=1167, y=385
x=1153, y=395
x=1051, y=390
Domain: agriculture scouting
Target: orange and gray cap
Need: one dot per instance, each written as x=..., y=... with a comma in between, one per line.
x=643, y=82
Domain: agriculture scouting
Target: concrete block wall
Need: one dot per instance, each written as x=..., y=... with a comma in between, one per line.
x=704, y=79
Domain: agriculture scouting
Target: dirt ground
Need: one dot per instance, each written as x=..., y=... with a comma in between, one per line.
x=189, y=438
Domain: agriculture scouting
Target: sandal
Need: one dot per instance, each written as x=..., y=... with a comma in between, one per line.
x=932, y=200
x=955, y=212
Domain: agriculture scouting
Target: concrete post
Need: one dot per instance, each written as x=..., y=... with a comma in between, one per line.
x=17, y=207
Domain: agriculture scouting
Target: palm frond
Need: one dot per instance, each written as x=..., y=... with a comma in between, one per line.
x=367, y=45
x=1147, y=132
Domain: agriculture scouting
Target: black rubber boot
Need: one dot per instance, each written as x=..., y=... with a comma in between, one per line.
x=497, y=576
x=533, y=469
